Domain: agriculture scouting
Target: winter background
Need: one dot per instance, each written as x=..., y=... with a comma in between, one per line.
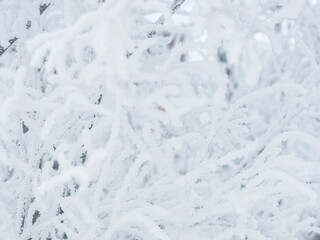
x=160, y=119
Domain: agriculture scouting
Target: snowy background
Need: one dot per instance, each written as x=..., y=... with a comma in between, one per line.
x=160, y=119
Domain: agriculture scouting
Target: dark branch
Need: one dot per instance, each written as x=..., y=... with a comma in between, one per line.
x=43, y=7
x=11, y=41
